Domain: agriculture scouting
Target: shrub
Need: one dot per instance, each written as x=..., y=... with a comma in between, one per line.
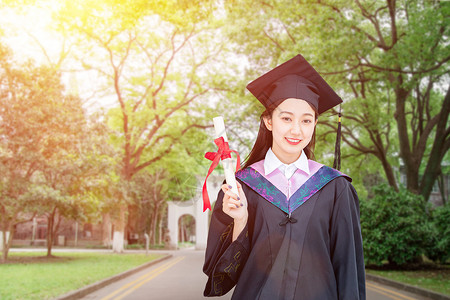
x=439, y=248
x=394, y=226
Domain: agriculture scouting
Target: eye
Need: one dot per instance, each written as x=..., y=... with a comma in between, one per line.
x=307, y=121
x=286, y=119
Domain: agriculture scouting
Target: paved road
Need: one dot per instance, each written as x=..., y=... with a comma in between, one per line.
x=181, y=277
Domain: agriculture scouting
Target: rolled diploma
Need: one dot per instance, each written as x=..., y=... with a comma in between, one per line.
x=227, y=163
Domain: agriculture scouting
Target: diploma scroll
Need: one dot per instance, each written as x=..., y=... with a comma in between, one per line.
x=227, y=163
x=223, y=154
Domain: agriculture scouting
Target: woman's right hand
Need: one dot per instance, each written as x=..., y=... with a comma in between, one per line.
x=233, y=205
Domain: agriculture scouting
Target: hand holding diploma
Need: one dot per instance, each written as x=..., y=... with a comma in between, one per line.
x=223, y=154
x=236, y=207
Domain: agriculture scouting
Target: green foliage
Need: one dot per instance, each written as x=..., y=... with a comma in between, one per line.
x=159, y=60
x=38, y=127
x=53, y=158
x=395, y=226
x=385, y=61
x=439, y=247
x=171, y=68
x=61, y=274
x=155, y=67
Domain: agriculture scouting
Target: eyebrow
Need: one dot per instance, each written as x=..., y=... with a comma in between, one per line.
x=290, y=113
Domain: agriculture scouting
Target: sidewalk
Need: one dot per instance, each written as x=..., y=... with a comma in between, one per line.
x=169, y=253
x=77, y=294
x=408, y=288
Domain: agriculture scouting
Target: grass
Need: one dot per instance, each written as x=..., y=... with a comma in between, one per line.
x=31, y=275
x=34, y=276
x=437, y=280
x=185, y=245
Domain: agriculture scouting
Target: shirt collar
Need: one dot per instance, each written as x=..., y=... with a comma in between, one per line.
x=271, y=163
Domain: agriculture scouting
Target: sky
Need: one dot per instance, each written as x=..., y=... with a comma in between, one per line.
x=27, y=30
x=22, y=31
x=29, y=35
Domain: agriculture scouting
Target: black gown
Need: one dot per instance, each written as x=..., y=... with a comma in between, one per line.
x=307, y=247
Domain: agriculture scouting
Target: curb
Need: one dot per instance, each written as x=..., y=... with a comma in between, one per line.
x=408, y=288
x=77, y=294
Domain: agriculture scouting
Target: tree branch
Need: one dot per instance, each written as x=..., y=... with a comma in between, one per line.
x=273, y=41
x=422, y=142
x=289, y=34
x=372, y=18
x=386, y=69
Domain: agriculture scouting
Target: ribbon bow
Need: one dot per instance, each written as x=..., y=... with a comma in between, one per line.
x=223, y=152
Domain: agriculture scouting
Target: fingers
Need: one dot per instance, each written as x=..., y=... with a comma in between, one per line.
x=233, y=203
x=242, y=194
x=228, y=192
x=230, y=199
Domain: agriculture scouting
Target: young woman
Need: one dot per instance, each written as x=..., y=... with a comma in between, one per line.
x=293, y=231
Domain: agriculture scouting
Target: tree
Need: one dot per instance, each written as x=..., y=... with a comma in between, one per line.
x=69, y=180
x=389, y=61
x=173, y=178
x=68, y=185
x=35, y=129
x=18, y=143
x=155, y=75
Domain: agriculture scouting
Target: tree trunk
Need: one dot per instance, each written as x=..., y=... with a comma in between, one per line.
x=56, y=229
x=440, y=180
x=160, y=241
x=50, y=221
x=182, y=230
x=411, y=166
x=154, y=223
x=3, y=245
x=7, y=231
x=9, y=238
x=119, y=230
x=106, y=230
x=118, y=241
x=389, y=172
x=6, y=242
x=437, y=151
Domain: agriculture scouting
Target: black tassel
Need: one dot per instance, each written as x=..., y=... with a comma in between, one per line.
x=337, y=147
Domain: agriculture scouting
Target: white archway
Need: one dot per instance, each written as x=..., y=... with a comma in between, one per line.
x=186, y=228
x=194, y=207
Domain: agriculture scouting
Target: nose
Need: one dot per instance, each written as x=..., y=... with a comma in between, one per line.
x=296, y=129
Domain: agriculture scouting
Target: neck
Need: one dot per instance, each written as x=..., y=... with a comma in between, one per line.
x=288, y=159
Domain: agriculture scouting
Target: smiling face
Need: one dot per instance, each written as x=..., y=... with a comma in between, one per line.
x=292, y=124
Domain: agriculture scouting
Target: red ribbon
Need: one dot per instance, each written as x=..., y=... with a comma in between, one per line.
x=223, y=152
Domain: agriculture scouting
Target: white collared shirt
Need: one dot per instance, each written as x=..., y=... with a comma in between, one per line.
x=271, y=163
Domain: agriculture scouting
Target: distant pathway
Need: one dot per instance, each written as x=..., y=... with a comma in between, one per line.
x=181, y=277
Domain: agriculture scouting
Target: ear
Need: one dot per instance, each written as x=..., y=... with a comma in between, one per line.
x=268, y=123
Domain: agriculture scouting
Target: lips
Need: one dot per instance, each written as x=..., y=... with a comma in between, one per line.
x=293, y=141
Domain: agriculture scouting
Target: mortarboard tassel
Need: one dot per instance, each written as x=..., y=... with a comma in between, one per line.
x=337, y=147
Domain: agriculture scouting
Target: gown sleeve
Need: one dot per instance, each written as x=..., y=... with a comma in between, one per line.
x=346, y=246
x=224, y=259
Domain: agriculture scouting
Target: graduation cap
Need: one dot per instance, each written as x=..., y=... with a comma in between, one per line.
x=296, y=78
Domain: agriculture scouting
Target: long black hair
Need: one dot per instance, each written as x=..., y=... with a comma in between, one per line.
x=264, y=140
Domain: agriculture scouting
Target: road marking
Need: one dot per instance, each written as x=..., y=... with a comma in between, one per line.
x=135, y=287
x=387, y=292
x=141, y=280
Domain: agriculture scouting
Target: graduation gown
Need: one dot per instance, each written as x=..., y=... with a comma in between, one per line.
x=303, y=245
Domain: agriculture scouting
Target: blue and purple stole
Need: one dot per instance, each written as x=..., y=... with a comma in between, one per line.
x=257, y=182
